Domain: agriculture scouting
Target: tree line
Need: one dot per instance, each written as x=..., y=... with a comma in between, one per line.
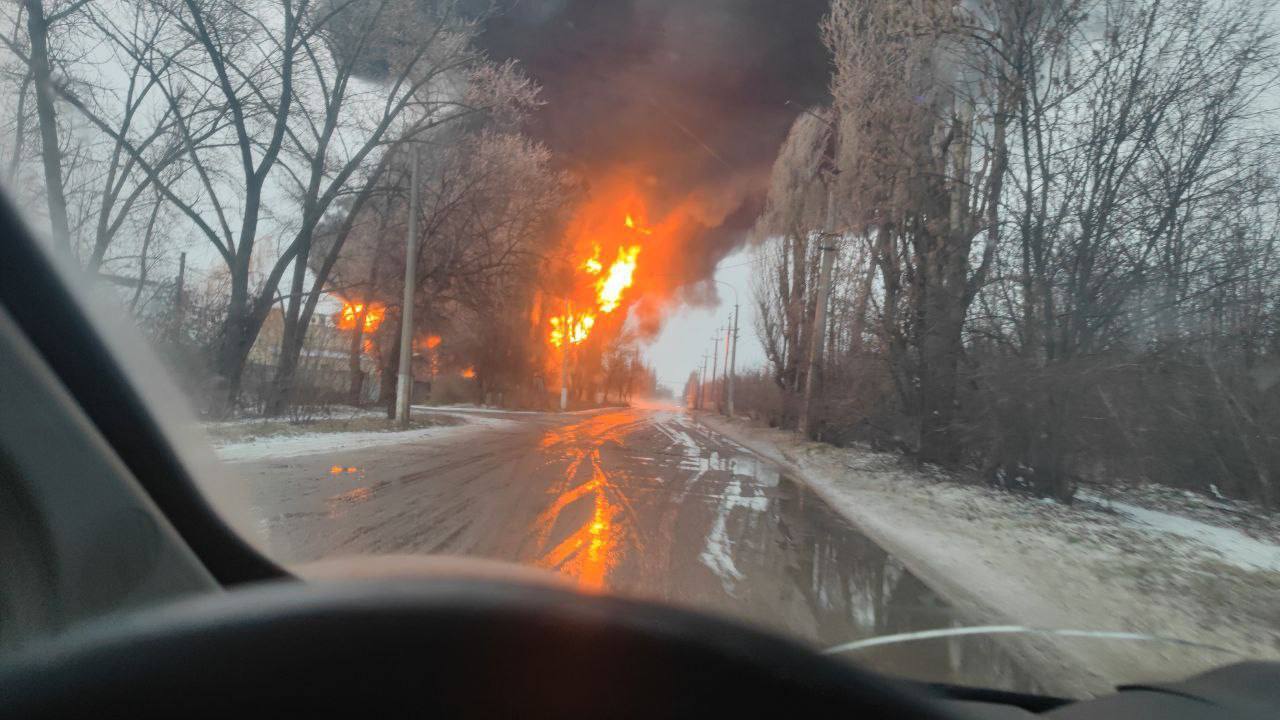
x=1051, y=228
x=272, y=139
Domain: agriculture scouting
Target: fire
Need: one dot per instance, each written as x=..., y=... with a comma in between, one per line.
x=630, y=223
x=610, y=286
x=592, y=264
x=621, y=275
x=575, y=328
x=347, y=317
x=469, y=373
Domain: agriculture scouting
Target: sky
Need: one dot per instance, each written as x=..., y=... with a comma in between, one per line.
x=688, y=330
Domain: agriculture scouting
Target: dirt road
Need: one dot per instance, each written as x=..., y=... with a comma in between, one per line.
x=646, y=503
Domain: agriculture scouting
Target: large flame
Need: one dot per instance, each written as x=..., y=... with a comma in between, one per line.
x=610, y=286
x=631, y=223
x=571, y=327
x=346, y=318
x=592, y=264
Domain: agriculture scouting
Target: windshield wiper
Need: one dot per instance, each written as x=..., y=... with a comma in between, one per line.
x=1013, y=630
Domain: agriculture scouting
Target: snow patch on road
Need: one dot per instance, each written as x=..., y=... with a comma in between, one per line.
x=718, y=552
x=317, y=443
x=685, y=440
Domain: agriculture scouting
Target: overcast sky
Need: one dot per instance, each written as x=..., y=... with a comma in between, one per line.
x=688, y=331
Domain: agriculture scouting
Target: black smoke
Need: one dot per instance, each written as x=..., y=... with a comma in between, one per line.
x=692, y=96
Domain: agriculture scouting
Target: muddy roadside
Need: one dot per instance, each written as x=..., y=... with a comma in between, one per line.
x=1003, y=558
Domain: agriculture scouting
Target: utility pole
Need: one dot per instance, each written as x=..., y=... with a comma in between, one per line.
x=733, y=358
x=404, y=390
x=819, y=331
x=564, y=357
x=702, y=382
x=179, y=301
x=715, y=357
x=829, y=236
x=724, y=375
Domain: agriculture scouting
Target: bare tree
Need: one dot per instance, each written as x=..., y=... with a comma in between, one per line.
x=1071, y=216
x=490, y=203
x=921, y=178
x=264, y=104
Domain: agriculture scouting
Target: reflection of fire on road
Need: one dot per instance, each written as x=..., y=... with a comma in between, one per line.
x=598, y=429
x=595, y=547
x=338, y=503
x=590, y=551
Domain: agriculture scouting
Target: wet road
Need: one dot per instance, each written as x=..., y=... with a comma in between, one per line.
x=637, y=502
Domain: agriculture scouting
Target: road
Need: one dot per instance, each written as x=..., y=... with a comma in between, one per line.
x=646, y=503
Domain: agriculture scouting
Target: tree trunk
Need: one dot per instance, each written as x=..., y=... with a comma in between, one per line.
x=940, y=357
x=50, y=153
x=291, y=340
x=390, y=366
x=355, y=375
x=230, y=351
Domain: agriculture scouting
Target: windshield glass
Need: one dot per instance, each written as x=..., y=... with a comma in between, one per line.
x=846, y=318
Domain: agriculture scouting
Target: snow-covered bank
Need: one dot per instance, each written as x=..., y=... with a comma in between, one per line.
x=320, y=442
x=1102, y=564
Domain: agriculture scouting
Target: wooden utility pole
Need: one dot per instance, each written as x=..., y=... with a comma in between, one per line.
x=404, y=388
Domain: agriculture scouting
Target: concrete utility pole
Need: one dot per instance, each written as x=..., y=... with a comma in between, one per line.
x=715, y=357
x=819, y=331
x=404, y=388
x=724, y=378
x=564, y=357
x=702, y=382
x=179, y=293
x=733, y=359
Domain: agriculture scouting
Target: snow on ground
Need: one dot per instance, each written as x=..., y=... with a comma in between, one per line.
x=313, y=443
x=1003, y=558
x=1234, y=546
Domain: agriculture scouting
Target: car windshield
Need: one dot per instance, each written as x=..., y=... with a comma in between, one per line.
x=843, y=318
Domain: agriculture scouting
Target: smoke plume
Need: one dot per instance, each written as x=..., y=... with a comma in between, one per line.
x=688, y=99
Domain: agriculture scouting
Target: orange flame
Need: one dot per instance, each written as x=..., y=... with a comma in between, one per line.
x=469, y=373
x=610, y=286
x=592, y=265
x=346, y=318
x=630, y=223
x=574, y=328
x=621, y=275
